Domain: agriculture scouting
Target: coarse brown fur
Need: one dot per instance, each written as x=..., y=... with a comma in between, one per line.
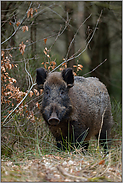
x=73, y=107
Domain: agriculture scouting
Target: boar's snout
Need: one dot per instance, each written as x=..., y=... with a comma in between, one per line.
x=53, y=120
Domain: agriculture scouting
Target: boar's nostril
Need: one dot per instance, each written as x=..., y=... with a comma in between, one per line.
x=53, y=120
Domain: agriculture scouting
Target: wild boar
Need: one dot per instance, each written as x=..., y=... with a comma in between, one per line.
x=75, y=108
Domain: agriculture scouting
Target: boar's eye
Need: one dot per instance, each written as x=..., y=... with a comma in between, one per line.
x=47, y=93
x=62, y=93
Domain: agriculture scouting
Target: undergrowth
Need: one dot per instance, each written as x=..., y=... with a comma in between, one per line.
x=26, y=143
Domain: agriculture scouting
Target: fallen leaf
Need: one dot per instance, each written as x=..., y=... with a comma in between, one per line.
x=102, y=162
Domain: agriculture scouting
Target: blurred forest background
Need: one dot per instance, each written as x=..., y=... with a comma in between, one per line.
x=46, y=34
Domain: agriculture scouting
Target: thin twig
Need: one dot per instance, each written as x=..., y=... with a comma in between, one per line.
x=19, y=103
x=29, y=75
x=63, y=172
x=101, y=126
x=18, y=26
x=84, y=48
x=57, y=14
x=76, y=34
x=56, y=67
x=60, y=33
x=33, y=84
x=96, y=67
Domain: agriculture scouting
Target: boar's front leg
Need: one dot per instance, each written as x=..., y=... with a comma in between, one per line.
x=79, y=135
x=60, y=144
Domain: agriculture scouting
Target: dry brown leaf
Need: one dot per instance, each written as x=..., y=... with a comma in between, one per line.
x=36, y=92
x=25, y=28
x=30, y=12
x=74, y=73
x=37, y=104
x=22, y=47
x=79, y=65
x=18, y=23
x=2, y=53
x=30, y=93
x=45, y=40
x=45, y=52
x=41, y=91
x=102, y=162
x=53, y=62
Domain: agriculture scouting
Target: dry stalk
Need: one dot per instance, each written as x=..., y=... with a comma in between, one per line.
x=101, y=127
x=64, y=173
x=108, y=166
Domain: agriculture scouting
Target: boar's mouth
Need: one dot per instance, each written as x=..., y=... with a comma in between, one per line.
x=53, y=120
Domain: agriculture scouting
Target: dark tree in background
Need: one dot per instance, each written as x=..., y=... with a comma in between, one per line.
x=8, y=16
x=44, y=34
x=100, y=46
x=49, y=19
x=33, y=37
x=70, y=31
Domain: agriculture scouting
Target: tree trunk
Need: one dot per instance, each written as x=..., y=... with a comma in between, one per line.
x=99, y=47
x=33, y=40
x=6, y=16
x=70, y=33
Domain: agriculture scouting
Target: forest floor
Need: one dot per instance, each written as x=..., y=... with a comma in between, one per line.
x=64, y=167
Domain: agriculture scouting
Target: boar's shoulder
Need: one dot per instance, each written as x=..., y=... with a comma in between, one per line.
x=89, y=97
x=91, y=86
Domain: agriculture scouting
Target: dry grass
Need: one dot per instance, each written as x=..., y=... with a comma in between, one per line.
x=65, y=167
x=34, y=158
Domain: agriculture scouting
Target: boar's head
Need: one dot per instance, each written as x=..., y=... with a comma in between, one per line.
x=56, y=104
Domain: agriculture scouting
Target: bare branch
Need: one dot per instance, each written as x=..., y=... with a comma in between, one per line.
x=19, y=103
x=56, y=68
x=60, y=33
x=76, y=34
x=29, y=75
x=71, y=58
x=101, y=126
x=18, y=26
x=95, y=67
x=64, y=173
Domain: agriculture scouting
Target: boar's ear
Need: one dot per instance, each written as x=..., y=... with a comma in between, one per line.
x=41, y=77
x=68, y=77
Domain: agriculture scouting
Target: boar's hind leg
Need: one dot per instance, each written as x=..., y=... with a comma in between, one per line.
x=105, y=135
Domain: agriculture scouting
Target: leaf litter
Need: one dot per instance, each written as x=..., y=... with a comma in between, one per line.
x=63, y=167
